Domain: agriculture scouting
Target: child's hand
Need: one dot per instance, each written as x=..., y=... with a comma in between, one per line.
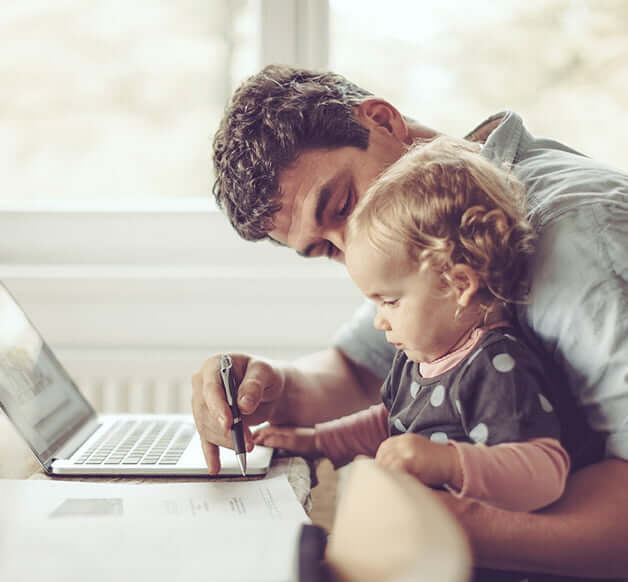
x=301, y=440
x=431, y=463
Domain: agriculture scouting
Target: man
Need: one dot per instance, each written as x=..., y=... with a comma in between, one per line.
x=294, y=153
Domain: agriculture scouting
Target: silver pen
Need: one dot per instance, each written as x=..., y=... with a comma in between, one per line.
x=237, y=428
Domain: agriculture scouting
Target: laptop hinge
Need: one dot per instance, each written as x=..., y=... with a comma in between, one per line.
x=77, y=439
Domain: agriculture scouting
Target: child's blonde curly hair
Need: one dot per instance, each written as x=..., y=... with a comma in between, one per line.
x=446, y=204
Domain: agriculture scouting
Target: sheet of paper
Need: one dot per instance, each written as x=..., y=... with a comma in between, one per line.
x=159, y=550
x=226, y=531
x=268, y=499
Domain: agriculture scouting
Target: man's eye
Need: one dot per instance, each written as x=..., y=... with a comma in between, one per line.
x=390, y=302
x=344, y=210
x=331, y=251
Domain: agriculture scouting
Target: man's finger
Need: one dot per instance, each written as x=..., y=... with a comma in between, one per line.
x=249, y=394
x=258, y=378
x=212, y=457
x=248, y=439
x=213, y=395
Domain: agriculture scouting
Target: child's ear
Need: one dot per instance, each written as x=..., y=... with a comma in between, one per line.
x=465, y=282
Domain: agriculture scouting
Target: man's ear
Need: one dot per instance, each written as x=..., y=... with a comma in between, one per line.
x=465, y=283
x=379, y=115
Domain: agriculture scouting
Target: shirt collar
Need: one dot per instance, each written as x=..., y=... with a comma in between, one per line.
x=501, y=135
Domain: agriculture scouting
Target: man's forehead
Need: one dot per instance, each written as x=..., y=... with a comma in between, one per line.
x=294, y=184
x=299, y=184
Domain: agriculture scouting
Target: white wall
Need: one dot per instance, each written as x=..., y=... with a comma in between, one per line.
x=161, y=291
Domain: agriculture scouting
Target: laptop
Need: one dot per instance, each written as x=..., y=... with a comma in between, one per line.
x=66, y=434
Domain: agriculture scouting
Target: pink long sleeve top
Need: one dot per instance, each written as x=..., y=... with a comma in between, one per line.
x=517, y=476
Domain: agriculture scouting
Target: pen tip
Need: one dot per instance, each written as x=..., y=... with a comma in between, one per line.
x=242, y=463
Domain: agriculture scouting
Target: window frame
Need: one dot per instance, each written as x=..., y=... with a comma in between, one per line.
x=81, y=266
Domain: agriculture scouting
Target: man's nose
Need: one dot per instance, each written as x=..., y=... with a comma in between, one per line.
x=336, y=237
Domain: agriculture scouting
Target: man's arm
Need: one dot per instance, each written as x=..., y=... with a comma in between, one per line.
x=585, y=533
x=322, y=386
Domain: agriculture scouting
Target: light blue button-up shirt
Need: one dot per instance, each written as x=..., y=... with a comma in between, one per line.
x=579, y=275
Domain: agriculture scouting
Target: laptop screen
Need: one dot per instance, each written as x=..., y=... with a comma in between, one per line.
x=35, y=391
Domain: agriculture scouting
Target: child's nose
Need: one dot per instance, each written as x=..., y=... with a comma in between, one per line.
x=380, y=322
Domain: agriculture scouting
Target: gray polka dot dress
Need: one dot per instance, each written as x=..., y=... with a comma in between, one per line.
x=496, y=394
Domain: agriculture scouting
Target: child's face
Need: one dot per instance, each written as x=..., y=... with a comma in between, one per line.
x=415, y=307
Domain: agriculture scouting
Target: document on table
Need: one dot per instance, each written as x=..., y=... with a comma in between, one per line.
x=270, y=498
x=226, y=531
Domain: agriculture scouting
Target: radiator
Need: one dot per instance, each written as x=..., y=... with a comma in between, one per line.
x=112, y=394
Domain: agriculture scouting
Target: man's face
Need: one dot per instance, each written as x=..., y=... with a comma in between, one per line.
x=320, y=190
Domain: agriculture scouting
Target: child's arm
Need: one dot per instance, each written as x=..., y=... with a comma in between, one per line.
x=357, y=434
x=340, y=440
x=515, y=461
x=513, y=476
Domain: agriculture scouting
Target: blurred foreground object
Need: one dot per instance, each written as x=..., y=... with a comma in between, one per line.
x=389, y=527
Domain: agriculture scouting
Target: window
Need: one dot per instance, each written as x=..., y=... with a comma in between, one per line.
x=561, y=64
x=116, y=100
x=108, y=234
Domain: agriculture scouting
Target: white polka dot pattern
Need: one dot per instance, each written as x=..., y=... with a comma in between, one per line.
x=399, y=425
x=414, y=389
x=546, y=405
x=479, y=433
x=439, y=437
x=503, y=363
x=438, y=395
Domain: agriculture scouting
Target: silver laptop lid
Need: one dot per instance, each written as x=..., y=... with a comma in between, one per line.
x=36, y=393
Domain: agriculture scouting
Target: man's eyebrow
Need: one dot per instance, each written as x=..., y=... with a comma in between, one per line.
x=323, y=199
x=324, y=195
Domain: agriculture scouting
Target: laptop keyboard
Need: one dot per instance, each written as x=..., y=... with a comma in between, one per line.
x=140, y=442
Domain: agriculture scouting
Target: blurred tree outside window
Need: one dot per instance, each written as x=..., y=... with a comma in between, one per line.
x=561, y=64
x=113, y=100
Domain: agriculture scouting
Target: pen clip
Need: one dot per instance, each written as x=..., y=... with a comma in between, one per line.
x=225, y=374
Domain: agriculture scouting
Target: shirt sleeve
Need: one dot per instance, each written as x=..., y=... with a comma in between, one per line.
x=513, y=476
x=579, y=308
x=363, y=344
x=356, y=434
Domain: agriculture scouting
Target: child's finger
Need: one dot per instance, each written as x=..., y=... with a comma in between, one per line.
x=261, y=433
x=277, y=440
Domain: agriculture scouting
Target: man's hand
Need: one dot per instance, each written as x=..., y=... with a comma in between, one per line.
x=431, y=463
x=260, y=389
x=300, y=440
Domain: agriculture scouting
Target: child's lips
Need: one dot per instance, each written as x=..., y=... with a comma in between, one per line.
x=397, y=345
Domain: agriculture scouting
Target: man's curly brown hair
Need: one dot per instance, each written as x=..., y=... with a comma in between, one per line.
x=271, y=118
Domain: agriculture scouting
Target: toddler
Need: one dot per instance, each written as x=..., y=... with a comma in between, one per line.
x=440, y=243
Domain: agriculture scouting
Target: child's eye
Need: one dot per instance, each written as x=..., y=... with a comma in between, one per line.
x=390, y=302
